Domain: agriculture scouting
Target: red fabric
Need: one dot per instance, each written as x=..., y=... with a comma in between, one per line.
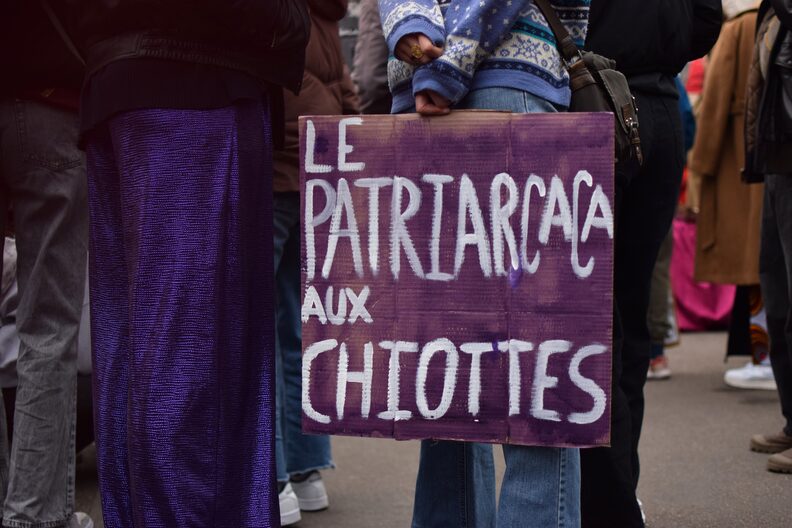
x=700, y=305
x=695, y=80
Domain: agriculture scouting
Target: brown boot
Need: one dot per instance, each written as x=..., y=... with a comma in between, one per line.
x=780, y=462
x=771, y=443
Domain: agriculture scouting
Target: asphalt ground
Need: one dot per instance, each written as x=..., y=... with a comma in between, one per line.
x=697, y=471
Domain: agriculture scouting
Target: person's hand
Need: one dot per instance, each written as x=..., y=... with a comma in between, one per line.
x=429, y=103
x=417, y=49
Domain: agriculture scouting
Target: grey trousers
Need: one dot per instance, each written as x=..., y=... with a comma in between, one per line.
x=42, y=176
x=775, y=274
x=658, y=317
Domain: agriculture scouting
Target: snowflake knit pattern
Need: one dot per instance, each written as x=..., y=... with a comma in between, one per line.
x=486, y=43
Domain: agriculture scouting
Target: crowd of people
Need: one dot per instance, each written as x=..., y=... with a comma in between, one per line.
x=156, y=145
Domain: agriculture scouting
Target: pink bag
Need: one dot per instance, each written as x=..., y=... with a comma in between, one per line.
x=700, y=305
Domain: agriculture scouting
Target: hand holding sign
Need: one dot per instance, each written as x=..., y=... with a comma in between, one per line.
x=429, y=103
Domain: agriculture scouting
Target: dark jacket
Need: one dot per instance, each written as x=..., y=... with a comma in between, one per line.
x=768, y=127
x=33, y=56
x=265, y=38
x=327, y=89
x=650, y=37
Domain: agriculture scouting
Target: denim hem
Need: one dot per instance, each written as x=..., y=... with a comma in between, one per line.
x=46, y=524
x=330, y=465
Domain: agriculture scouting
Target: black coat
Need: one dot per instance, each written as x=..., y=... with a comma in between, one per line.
x=33, y=55
x=653, y=36
x=266, y=38
x=769, y=106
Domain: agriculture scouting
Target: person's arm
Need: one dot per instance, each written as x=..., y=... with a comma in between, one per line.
x=402, y=18
x=707, y=21
x=476, y=29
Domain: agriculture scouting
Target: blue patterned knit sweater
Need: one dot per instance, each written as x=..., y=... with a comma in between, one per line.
x=487, y=43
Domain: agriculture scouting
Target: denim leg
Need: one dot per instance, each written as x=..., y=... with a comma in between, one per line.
x=303, y=452
x=455, y=486
x=45, y=172
x=552, y=501
x=282, y=222
x=775, y=274
x=507, y=100
x=456, y=481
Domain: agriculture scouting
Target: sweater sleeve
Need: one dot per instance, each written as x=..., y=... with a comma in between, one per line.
x=475, y=29
x=403, y=17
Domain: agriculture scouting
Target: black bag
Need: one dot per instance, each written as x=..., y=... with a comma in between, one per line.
x=597, y=87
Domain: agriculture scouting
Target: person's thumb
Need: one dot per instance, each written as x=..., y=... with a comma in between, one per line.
x=428, y=47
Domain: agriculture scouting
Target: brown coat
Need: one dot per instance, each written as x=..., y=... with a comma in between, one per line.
x=327, y=88
x=727, y=245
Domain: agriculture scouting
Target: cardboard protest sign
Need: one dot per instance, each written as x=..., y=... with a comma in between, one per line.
x=458, y=276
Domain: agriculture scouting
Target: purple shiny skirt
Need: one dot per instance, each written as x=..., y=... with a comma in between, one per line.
x=182, y=317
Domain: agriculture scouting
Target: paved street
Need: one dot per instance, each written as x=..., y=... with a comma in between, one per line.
x=697, y=469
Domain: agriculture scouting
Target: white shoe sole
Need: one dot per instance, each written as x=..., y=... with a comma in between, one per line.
x=315, y=504
x=768, y=385
x=290, y=517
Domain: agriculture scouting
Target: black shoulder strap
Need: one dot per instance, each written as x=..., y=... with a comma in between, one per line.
x=56, y=23
x=566, y=46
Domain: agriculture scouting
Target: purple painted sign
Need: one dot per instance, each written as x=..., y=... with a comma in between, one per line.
x=458, y=276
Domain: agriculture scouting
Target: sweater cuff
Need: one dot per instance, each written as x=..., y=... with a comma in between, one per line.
x=443, y=79
x=415, y=24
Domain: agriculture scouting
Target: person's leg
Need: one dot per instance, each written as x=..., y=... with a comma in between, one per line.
x=645, y=205
x=776, y=278
x=284, y=220
x=110, y=347
x=281, y=227
x=648, y=213
x=657, y=316
x=196, y=200
x=525, y=503
x=607, y=495
x=51, y=218
x=7, y=145
x=304, y=453
x=455, y=486
x=471, y=494
x=658, y=319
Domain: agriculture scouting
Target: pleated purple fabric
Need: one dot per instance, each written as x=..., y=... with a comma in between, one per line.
x=182, y=317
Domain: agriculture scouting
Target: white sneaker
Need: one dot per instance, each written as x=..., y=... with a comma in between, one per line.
x=759, y=377
x=289, y=506
x=80, y=520
x=311, y=493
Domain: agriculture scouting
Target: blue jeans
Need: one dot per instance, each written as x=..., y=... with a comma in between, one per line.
x=295, y=452
x=456, y=480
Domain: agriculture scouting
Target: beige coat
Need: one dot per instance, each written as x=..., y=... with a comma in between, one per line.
x=727, y=246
